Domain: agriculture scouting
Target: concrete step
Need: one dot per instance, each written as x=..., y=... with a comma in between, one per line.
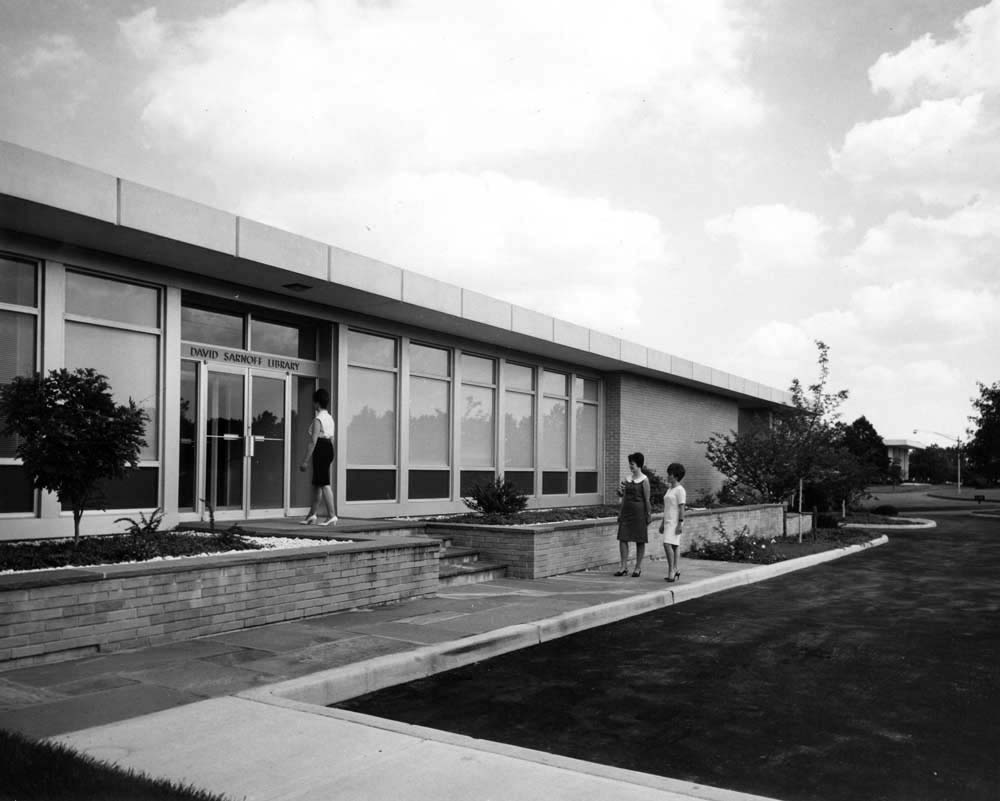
x=458, y=556
x=470, y=573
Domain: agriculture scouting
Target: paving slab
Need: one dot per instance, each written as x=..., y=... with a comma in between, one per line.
x=329, y=655
x=201, y=678
x=44, y=720
x=277, y=637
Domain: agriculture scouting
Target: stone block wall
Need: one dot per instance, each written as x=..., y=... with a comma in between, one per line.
x=51, y=616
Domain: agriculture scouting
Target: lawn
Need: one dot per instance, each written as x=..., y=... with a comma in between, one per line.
x=40, y=771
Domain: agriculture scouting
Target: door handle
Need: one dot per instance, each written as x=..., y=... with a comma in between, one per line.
x=250, y=441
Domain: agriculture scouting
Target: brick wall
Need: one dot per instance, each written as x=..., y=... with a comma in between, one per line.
x=56, y=615
x=555, y=549
x=665, y=422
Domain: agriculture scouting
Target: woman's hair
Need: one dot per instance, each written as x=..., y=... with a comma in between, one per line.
x=638, y=458
x=322, y=397
x=676, y=470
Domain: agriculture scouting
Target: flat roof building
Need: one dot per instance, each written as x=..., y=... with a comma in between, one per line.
x=222, y=327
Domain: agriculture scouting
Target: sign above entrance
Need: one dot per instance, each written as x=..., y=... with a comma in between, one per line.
x=245, y=358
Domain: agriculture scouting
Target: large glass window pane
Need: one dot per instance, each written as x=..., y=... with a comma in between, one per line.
x=519, y=430
x=429, y=427
x=17, y=358
x=186, y=458
x=477, y=427
x=18, y=283
x=429, y=361
x=371, y=415
x=105, y=299
x=554, y=436
x=371, y=485
x=424, y=484
x=586, y=435
x=129, y=359
x=282, y=339
x=16, y=493
x=478, y=370
x=554, y=383
x=139, y=489
x=370, y=349
x=212, y=327
x=302, y=416
x=517, y=376
x=585, y=389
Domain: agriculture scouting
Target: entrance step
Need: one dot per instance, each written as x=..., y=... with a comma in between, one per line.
x=450, y=555
x=451, y=575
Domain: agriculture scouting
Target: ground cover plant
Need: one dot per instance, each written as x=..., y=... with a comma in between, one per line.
x=119, y=548
x=41, y=771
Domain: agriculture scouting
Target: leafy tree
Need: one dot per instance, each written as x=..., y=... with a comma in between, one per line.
x=933, y=464
x=983, y=450
x=71, y=434
x=862, y=440
x=769, y=462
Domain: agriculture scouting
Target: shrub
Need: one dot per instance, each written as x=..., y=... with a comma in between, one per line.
x=706, y=500
x=886, y=510
x=498, y=497
x=739, y=547
x=732, y=495
x=657, y=487
x=140, y=531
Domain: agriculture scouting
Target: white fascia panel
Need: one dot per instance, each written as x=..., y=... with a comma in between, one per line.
x=278, y=248
x=163, y=214
x=484, y=309
x=429, y=293
x=369, y=275
x=634, y=353
x=531, y=323
x=605, y=345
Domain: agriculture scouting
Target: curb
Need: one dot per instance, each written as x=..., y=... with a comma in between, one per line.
x=349, y=681
x=914, y=523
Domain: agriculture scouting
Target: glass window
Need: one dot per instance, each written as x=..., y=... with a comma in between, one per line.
x=370, y=349
x=18, y=282
x=585, y=389
x=586, y=435
x=554, y=432
x=283, y=339
x=106, y=299
x=371, y=414
x=477, y=427
x=186, y=460
x=517, y=376
x=212, y=327
x=519, y=430
x=423, y=484
x=129, y=359
x=429, y=426
x=371, y=485
x=303, y=388
x=554, y=383
x=18, y=496
x=429, y=361
x=17, y=357
x=477, y=370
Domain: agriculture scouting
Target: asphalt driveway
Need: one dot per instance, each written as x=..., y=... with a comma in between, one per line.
x=872, y=677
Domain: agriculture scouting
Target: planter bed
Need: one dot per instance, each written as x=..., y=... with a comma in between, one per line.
x=549, y=549
x=54, y=615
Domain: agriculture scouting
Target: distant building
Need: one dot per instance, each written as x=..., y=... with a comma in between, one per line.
x=222, y=328
x=899, y=452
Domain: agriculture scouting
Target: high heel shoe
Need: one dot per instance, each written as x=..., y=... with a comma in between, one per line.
x=308, y=521
x=329, y=521
x=622, y=572
x=636, y=573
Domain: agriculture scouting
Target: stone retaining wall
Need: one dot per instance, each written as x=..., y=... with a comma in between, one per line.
x=53, y=615
x=552, y=549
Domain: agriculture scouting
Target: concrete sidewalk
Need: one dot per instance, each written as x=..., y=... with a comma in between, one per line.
x=202, y=711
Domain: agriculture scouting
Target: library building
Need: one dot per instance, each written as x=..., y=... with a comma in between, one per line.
x=221, y=328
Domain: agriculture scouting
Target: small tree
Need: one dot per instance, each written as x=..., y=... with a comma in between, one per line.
x=983, y=449
x=72, y=435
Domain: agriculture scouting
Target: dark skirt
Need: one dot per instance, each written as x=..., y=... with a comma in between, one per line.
x=632, y=525
x=322, y=459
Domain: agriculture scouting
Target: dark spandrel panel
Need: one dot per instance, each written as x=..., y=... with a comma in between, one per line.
x=212, y=327
x=371, y=485
x=138, y=490
x=586, y=482
x=283, y=339
x=18, y=282
x=16, y=493
x=429, y=484
x=470, y=478
x=555, y=483
x=523, y=480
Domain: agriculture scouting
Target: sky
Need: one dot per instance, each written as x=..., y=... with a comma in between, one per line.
x=725, y=181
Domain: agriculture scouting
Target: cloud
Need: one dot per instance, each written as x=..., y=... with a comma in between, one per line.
x=570, y=256
x=772, y=237
x=143, y=33
x=335, y=86
x=54, y=51
x=967, y=64
x=942, y=144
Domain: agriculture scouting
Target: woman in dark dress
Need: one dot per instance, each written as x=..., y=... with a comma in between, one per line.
x=635, y=515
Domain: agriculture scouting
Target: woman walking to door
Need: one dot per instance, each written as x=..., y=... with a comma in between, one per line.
x=321, y=433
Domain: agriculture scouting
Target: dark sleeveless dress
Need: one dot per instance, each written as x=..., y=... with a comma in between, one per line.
x=633, y=519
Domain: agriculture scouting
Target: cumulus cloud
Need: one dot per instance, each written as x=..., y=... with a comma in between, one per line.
x=54, y=51
x=143, y=33
x=772, y=237
x=571, y=256
x=345, y=85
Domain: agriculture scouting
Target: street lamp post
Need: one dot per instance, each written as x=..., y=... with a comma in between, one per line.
x=958, y=451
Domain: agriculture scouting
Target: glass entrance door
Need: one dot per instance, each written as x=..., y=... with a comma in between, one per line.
x=246, y=442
